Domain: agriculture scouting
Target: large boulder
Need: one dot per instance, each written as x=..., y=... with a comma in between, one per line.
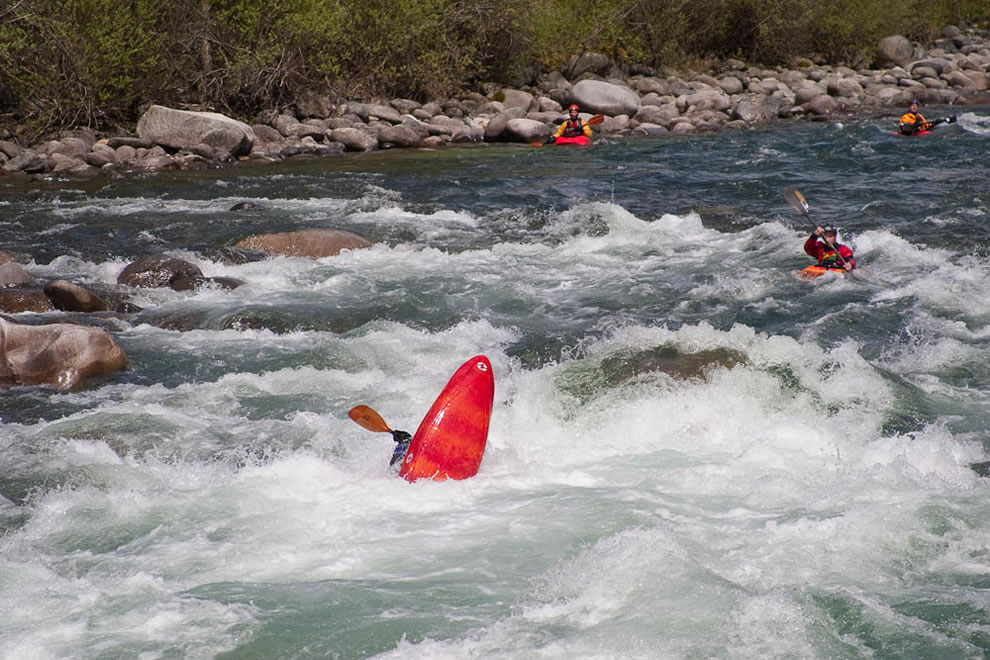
x=895, y=50
x=525, y=130
x=12, y=274
x=158, y=270
x=60, y=355
x=596, y=96
x=315, y=243
x=401, y=135
x=355, y=139
x=515, y=98
x=71, y=297
x=184, y=129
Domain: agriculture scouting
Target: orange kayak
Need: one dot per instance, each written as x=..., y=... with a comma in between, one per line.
x=812, y=272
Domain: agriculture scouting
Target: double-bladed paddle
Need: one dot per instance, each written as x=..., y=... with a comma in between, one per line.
x=796, y=199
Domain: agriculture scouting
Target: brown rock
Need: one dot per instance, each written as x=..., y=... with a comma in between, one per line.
x=60, y=355
x=314, y=243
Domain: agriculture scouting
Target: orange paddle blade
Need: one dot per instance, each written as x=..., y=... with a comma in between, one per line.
x=597, y=119
x=368, y=418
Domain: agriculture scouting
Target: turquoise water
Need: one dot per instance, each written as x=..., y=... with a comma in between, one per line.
x=693, y=453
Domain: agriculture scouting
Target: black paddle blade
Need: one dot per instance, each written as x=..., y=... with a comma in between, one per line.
x=796, y=199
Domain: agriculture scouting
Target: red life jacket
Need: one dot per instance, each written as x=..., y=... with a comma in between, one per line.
x=573, y=128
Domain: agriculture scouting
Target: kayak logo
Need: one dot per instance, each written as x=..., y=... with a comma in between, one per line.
x=481, y=366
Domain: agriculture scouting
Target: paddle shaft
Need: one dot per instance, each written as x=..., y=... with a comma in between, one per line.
x=796, y=199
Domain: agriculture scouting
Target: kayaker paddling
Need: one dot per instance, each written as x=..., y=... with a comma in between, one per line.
x=823, y=245
x=913, y=122
x=573, y=127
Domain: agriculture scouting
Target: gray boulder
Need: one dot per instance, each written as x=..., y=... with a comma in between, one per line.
x=515, y=98
x=355, y=139
x=749, y=112
x=526, y=130
x=183, y=129
x=596, y=96
x=895, y=50
x=399, y=136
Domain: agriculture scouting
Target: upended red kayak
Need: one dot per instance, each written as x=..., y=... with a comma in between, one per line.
x=450, y=441
x=579, y=140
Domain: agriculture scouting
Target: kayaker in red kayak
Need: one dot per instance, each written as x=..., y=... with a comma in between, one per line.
x=913, y=122
x=573, y=127
x=824, y=246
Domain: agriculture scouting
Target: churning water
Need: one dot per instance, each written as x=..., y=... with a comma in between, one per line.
x=693, y=453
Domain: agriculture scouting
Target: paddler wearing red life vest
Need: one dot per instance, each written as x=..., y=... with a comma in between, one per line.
x=573, y=127
x=824, y=246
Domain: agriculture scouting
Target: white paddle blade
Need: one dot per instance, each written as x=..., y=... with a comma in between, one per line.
x=796, y=199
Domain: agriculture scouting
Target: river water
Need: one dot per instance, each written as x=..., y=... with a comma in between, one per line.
x=693, y=453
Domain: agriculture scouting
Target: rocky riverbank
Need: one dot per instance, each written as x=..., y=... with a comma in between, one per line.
x=954, y=70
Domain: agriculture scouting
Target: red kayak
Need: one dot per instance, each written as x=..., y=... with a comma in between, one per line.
x=580, y=140
x=450, y=441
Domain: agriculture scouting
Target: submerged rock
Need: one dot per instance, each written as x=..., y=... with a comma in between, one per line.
x=315, y=243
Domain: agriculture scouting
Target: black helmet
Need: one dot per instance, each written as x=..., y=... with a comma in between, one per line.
x=830, y=229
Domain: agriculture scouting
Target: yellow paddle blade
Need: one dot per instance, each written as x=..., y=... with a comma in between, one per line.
x=368, y=418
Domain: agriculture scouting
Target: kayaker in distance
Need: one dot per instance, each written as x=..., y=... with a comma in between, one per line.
x=913, y=122
x=824, y=246
x=573, y=127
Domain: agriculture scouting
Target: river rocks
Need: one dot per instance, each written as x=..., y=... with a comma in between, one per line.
x=12, y=274
x=403, y=135
x=70, y=297
x=160, y=270
x=669, y=360
x=526, y=130
x=17, y=300
x=356, y=139
x=955, y=71
x=604, y=98
x=183, y=129
x=60, y=355
x=895, y=50
x=157, y=270
x=314, y=243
